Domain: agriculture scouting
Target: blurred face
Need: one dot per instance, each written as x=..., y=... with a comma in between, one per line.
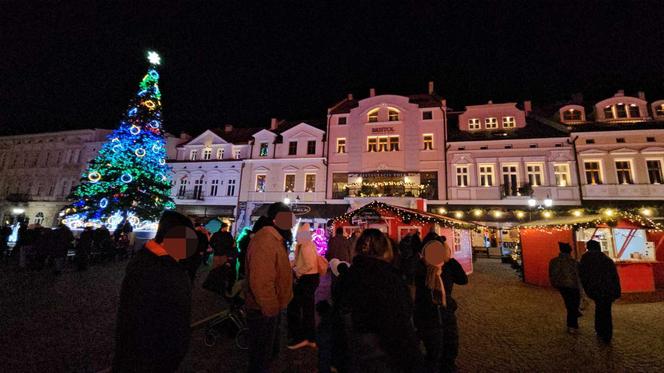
x=435, y=253
x=180, y=242
x=284, y=220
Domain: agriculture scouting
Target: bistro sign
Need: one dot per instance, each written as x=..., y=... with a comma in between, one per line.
x=382, y=129
x=300, y=210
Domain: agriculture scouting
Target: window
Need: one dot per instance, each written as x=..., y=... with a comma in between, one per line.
x=535, y=174
x=372, y=144
x=236, y=153
x=561, y=172
x=292, y=148
x=621, y=111
x=462, y=176
x=373, y=116
x=193, y=155
x=394, y=143
x=491, y=123
x=183, y=187
x=342, y=120
x=509, y=146
x=260, y=183
x=198, y=188
x=311, y=147
x=214, y=187
x=220, y=153
x=509, y=122
x=462, y=148
x=230, y=190
x=659, y=110
x=289, y=183
x=572, y=114
x=474, y=124
x=510, y=179
x=427, y=115
x=310, y=182
x=532, y=145
x=590, y=141
x=263, y=149
x=654, y=171
x=634, y=111
x=382, y=144
x=207, y=154
x=620, y=140
x=608, y=112
x=486, y=175
x=593, y=175
x=484, y=147
x=428, y=141
x=650, y=139
x=341, y=145
x=624, y=172
x=392, y=115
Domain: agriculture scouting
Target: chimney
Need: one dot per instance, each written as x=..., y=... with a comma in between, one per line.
x=430, y=87
x=274, y=123
x=228, y=128
x=372, y=92
x=350, y=97
x=620, y=93
x=527, y=106
x=642, y=95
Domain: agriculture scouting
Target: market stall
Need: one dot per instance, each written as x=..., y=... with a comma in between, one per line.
x=635, y=243
x=397, y=222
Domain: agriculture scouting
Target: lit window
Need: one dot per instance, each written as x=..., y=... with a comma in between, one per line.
x=561, y=172
x=182, y=189
x=621, y=111
x=372, y=144
x=659, y=110
x=486, y=175
x=462, y=176
x=311, y=147
x=289, y=183
x=634, y=111
x=535, y=174
x=382, y=144
x=392, y=115
x=207, y=154
x=260, y=183
x=193, y=155
x=608, y=112
x=394, y=143
x=292, y=148
x=263, y=149
x=310, y=182
x=230, y=190
x=373, y=116
x=198, y=188
x=510, y=180
x=654, y=171
x=491, y=123
x=474, y=124
x=220, y=153
x=427, y=115
x=342, y=120
x=428, y=141
x=341, y=145
x=572, y=114
x=214, y=187
x=593, y=175
x=509, y=122
x=624, y=172
x=236, y=153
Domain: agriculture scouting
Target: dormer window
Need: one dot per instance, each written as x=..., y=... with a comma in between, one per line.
x=220, y=153
x=392, y=115
x=509, y=122
x=571, y=114
x=373, y=116
x=341, y=120
x=207, y=154
x=490, y=123
x=622, y=110
x=193, y=155
x=634, y=111
x=608, y=112
x=263, y=150
x=474, y=124
x=659, y=110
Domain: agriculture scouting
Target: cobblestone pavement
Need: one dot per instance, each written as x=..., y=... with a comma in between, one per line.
x=65, y=324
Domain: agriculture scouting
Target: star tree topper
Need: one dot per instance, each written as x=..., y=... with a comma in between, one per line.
x=154, y=58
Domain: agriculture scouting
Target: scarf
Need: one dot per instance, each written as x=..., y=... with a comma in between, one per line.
x=435, y=283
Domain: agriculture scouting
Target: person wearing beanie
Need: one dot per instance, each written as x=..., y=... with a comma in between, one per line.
x=301, y=310
x=601, y=283
x=269, y=285
x=564, y=276
x=152, y=327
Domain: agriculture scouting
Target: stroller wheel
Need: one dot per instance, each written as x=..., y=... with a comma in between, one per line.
x=242, y=339
x=211, y=337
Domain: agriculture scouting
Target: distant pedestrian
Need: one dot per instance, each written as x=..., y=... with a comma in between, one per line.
x=601, y=283
x=377, y=311
x=564, y=276
x=62, y=242
x=339, y=247
x=270, y=285
x=83, y=249
x=154, y=315
x=225, y=254
x=301, y=309
x=352, y=240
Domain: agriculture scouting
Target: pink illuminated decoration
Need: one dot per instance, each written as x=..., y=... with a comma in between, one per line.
x=320, y=240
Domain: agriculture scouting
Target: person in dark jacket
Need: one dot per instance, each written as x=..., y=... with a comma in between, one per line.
x=61, y=244
x=564, y=276
x=601, y=283
x=225, y=254
x=83, y=249
x=339, y=247
x=435, y=308
x=154, y=315
x=377, y=311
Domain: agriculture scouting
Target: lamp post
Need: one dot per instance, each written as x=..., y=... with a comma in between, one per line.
x=540, y=205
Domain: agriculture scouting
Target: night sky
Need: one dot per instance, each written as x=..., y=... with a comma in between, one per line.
x=69, y=66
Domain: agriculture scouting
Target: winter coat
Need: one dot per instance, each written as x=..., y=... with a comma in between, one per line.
x=62, y=241
x=154, y=315
x=426, y=314
x=564, y=272
x=306, y=256
x=339, y=247
x=223, y=244
x=379, y=307
x=599, y=276
x=268, y=270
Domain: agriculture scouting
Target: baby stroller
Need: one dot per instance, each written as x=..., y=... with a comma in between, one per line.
x=231, y=322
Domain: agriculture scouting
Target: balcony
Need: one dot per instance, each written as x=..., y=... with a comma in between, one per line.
x=191, y=196
x=513, y=195
x=515, y=190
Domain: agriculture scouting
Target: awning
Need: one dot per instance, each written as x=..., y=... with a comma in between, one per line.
x=308, y=211
x=207, y=210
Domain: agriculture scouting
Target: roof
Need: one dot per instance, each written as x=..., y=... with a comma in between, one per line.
x=238, y=135
x=422, y=100
x=567, y=220
x=285, y=125
x=602, y=126
x=535, y=128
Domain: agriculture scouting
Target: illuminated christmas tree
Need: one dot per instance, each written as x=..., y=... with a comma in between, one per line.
x=129, y=178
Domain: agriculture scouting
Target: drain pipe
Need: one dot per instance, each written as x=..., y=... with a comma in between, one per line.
x=576, y=164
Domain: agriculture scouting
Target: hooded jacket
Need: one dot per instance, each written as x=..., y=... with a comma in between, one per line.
x=306, y=257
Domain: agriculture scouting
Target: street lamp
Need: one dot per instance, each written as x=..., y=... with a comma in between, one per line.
x=287, y=201
x=540, y=205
